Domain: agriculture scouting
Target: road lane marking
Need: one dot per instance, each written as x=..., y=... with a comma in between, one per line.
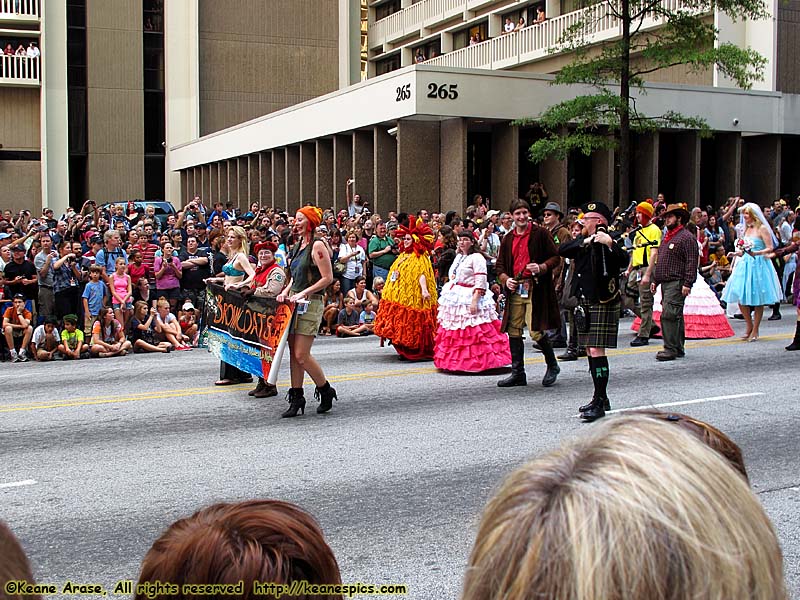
x=686, y=402
x=14, y=484
x=206, y=391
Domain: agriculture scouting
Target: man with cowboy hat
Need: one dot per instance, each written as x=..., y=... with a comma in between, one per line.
x=598, y=261
x=675, y=272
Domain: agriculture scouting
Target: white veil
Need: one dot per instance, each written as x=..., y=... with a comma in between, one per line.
x=754, y=208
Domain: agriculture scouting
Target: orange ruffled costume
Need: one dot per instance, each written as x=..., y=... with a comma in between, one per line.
x=404, y=316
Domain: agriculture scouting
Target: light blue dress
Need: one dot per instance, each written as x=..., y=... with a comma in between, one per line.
x=753, y=282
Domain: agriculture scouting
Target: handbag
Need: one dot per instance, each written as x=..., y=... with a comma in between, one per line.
x=339, y=268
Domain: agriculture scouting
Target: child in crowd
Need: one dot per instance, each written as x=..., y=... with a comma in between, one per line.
x=167, y=326
x=17, y=324
x=348, y=319
x=142, y=332
x=94, y=298
x=45, y=340
x=72, y=346
x=121, y=293
x=108, y=337
x=187, y=321
x=367, y=318
x=138, y=271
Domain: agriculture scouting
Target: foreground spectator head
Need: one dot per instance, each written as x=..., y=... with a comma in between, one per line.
x=255, y=540
x=14, y=565
x=636, y=509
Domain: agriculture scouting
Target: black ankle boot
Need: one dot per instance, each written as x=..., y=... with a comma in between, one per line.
x=517, y=376
x=297, y=402
x=259, y=388
x=776, y=312
x=795, y=345
x=325, y=395
x=595, y=411
x=553, y=369
x=585, y=407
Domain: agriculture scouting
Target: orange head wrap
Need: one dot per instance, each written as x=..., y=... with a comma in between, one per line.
x=420, y=232
x=313, y=214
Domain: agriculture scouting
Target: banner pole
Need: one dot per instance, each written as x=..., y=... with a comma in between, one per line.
x=275, y=365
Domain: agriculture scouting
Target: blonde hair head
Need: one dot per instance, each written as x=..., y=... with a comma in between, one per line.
x=241, y=234
x=636, y=509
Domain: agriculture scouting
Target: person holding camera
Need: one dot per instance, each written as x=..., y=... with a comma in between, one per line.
x=66, y=282
x=43, y=261
x=168, y=271
x=598, y=260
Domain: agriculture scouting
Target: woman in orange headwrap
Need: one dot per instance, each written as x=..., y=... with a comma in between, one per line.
x=311, y=272
x=408, y=304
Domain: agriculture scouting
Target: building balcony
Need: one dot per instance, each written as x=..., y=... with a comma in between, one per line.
x=418, y=16
x=19, y=71
x=536, y=42
x=20, y=11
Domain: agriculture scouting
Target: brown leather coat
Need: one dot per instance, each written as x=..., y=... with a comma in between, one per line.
x=542, y=250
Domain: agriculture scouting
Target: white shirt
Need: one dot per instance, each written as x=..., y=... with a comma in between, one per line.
x=33, y=52
x=39, y=335
x=354, y=266
x=508, y=27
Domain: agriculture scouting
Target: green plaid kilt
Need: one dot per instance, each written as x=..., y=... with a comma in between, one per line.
x=603, y=325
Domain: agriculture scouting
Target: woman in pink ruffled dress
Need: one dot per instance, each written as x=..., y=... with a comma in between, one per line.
x=468, y=338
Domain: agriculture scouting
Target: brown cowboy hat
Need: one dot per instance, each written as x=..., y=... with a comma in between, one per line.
x=679, y=210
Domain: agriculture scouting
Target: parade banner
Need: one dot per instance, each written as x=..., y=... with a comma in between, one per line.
x=245, y=331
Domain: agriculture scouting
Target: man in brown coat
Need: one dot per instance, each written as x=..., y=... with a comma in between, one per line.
x=527, y=258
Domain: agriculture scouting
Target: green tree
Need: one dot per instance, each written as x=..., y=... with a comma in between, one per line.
x=654, y=35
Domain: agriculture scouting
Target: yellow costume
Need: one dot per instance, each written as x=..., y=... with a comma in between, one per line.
x=404, y=316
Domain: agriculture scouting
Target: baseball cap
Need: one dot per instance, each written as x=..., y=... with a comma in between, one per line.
x=18, y=297
x=492, y=213
x=4, y=235
x=18, y=248
x=188, y=305
x=95, y=239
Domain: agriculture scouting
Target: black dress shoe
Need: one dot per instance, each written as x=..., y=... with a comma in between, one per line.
x=513, y=380
x=639, y=341
x=568, y=356
x=739, y=316
x=551, y=375
x=585, y=407
x=774, y=317
x=655, y=331
x=681, y=354
x=558, y=343
x=593, y=413
x=666, y=355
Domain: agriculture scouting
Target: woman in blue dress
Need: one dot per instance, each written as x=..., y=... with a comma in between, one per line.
x=753, y=282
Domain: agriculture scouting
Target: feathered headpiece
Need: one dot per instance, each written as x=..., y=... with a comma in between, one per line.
x=420, y=232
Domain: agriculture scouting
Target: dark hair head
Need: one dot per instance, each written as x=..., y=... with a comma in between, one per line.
x=360, y=279
x=51, y=321
x=71, y=319
x=520, y=203
x=256, y=540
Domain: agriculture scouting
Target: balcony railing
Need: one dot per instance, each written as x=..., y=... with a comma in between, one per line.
x=535, y=42
x=424, y=13
x=19, y=9
x=19, y=70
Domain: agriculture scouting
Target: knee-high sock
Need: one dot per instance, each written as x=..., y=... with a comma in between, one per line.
x=600, y=376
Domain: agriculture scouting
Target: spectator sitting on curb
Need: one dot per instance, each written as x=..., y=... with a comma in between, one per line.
x=17, y=324
x=72, y=346
x=45, y=340
x=348, y=319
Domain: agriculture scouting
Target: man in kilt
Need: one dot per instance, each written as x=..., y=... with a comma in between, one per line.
x=598, y=261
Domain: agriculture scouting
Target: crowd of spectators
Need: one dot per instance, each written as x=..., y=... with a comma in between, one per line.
x=21, y=48
x=105, y=282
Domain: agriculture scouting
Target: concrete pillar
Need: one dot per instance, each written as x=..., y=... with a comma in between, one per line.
x=230, y=168
x=349, y=43
x=446, y=42
x=688, y=183
x=729, y=166
x=293, y=178
x=265, y=178
x=253, y=179
x=505, y=164
x=555, y=176
x=213, y=171
x=406, y=56
x=418, y=158
x=279, y=178
x=308, y=173
x=342, y=168
x=603, y=176
x=384, y=171
x=762, y=178
x=644, y=166
x=53, y=113
x=242, y=183
x=325, y=195
x=495, y=25
x=206, y=184
x=363, y=170
x=552, y=8
x=453, y=179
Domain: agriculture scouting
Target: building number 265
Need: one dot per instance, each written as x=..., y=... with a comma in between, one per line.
x=403, y=92
x=443, y=91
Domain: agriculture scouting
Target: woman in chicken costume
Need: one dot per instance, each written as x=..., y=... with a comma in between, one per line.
x=407, y=314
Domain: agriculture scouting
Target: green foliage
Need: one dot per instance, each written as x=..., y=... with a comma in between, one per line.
x=685, y=36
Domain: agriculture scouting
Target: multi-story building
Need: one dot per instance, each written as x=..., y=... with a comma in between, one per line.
x=89, y=117
x=282, y=101
x=433, y=123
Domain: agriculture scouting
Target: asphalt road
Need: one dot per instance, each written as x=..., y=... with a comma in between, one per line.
x=101, y=456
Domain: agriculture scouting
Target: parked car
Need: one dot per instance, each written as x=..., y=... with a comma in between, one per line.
x=162, y=208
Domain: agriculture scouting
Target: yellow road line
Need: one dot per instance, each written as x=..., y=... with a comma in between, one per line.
x=206, y=391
